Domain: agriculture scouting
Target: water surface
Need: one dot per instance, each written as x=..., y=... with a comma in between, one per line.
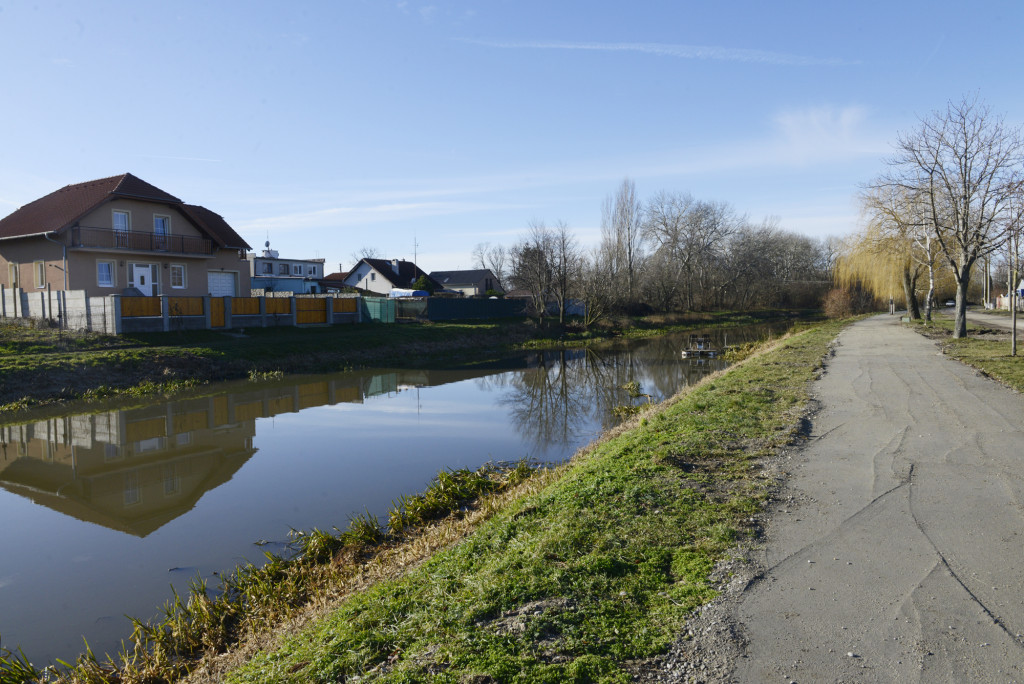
x=102, y=513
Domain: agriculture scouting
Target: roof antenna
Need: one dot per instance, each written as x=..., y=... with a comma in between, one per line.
x=415, y=245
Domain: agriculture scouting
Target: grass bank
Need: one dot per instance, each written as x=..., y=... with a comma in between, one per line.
x=984, y=348
x=47, y=366
x=593, y=570
x=576, y=574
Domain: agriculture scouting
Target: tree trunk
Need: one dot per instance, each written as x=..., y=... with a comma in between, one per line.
x=913, y=310
x=960, y=319
x=930, y=297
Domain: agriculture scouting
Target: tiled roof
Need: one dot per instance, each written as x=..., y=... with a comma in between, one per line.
x=408, y=272
x=448, y=278
x=63, y=207
x=214, y=225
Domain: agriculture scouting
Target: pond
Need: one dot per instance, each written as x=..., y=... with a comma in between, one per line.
x=103, y=512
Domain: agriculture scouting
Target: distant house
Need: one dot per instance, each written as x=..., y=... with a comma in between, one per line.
x=383, y=275
x=335, y=282
x=270, y=273
x=470, y=283
x=121, y=235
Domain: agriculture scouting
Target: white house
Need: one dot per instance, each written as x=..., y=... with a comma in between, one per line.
x=269, y=272
x=383, y=275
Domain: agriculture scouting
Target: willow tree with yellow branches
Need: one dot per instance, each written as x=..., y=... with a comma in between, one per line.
x=882, y=264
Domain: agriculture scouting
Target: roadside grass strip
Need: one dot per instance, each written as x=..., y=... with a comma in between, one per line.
x=978, y=350
x=595, y=570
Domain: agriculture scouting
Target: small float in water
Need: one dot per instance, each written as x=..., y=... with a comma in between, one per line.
x=700, y=347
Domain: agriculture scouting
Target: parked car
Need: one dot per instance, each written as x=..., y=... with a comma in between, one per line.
x=950, y=302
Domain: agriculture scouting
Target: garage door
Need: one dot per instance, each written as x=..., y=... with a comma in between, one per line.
x=221, y=284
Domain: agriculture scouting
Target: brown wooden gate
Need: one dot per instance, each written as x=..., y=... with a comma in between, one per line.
x=216, y=312
x=310, y=311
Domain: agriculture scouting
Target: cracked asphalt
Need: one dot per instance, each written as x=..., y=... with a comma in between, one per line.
x=901, y=554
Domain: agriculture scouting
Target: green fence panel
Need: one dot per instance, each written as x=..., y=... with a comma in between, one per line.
x=444, y=309
x=378, y=309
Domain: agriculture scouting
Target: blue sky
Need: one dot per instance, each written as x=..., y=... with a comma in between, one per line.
x=331, y=126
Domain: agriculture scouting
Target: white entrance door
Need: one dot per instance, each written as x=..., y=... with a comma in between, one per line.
x=221, y=284
x=140, y=276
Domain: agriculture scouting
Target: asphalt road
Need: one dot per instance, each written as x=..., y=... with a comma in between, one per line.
x=901, y=558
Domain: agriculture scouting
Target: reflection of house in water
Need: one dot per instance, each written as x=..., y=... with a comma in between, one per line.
x=135, y=470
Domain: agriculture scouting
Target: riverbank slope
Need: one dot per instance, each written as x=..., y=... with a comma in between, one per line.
x=588, y=578
x=48, y=366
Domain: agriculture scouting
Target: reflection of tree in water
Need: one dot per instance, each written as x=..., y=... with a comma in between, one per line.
x=561, y=395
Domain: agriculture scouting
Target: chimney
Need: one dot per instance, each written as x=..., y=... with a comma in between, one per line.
x=394, y=266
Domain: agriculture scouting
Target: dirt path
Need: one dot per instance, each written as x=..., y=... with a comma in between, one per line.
x=901, y=557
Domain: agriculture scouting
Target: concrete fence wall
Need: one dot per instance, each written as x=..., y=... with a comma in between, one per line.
x=114, y=314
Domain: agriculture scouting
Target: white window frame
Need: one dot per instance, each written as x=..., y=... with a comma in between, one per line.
x=113, y=274
x=282, y=269
x=127, y=220
x=297, y=269
x=39, y=274
x=268, y=268
x=160, y=239
x=311, y=271
x=184, y=276
x=121, y=234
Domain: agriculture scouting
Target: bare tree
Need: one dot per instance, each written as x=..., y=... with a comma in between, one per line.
x=1015, y=226
x=366, y=253
x=965, y=163
x=531, y=266
x=899, y=223
x=622, y=237
x=565, y=267
x=495, y=258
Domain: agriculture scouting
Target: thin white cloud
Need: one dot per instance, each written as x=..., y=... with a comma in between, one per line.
x=699, y=52
x=336, y=217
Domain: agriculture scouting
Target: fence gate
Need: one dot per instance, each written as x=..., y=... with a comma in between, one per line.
x=216, y=312
x=310, y=311
x=379, y=309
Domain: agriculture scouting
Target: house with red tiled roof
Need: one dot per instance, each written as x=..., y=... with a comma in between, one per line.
x=121, y=235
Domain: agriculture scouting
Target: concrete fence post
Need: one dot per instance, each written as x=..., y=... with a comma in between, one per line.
x=165, y=312
x=295, y=312
x=115, y=308
x=263, y=311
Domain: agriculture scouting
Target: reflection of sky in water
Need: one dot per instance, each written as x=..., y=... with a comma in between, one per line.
x=109, y=509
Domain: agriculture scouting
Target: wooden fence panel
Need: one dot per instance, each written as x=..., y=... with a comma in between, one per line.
x=217, y=318
x=310, y=311
x=345, y=305
x=185, y=306
x=245, y=306
x=140, y=306
x=277, y=305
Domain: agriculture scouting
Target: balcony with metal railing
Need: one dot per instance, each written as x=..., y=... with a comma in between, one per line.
x=107, y=238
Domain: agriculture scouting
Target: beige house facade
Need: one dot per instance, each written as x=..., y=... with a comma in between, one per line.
x=121, y=235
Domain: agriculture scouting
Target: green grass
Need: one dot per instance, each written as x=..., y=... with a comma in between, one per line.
x=44, y=366
x=987, y=349
x=597, y=569
x=569, y=576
